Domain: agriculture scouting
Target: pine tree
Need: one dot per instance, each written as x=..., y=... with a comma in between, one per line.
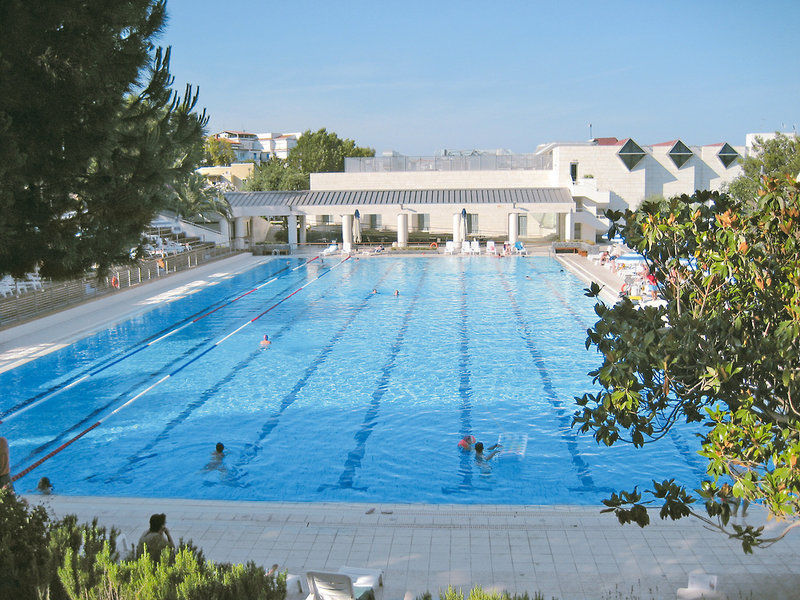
x=91, y=133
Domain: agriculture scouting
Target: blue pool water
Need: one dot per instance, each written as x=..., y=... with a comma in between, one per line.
x=361, y=397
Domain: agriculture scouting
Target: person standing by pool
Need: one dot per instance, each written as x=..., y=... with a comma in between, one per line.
x=155, y=539
x=5, y=465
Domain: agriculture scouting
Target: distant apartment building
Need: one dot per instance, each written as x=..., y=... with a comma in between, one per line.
x=259, y=147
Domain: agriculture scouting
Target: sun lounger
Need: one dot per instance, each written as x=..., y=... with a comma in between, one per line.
x=701, y=585
x=348, y=584
x=490, y=249
x=519, y=248
x=475, y=247
x=465, y=247
x=449, y=247
x=35, y=280
x=330, y=249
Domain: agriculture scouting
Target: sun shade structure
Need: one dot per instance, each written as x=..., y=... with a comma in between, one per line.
x=680, y=154
x=631, y=154
x=727, y=155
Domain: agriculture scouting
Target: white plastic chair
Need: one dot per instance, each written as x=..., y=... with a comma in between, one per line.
x=701, y=585
x=520, y=248
x=449, y=247
x=490, y=249
x=35, y=280
x=476, y=247
x=465, y=247
x=347, y=584
x=330, y=249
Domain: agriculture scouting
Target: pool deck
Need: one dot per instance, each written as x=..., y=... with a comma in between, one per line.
x=566, y=552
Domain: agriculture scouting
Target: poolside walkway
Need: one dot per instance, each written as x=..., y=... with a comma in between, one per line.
x=567, y=552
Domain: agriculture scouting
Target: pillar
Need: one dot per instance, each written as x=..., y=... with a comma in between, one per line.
x=347, y=233
x=402, y=230
x=303, y=238
x=457, y=228
x=569, y=226
x=291, y=223
x=239, y=232
x=513, y=228
x=225, y=229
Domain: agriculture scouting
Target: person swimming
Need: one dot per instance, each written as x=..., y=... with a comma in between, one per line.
x=265, y=343
x=397, y=292
x=44, y=486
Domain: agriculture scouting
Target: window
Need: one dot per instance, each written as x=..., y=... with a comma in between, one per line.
x=631, y=153
x=522, y=225
x=421, y=222
x=372, y=221
x=573, y=171
x=472, y=223
x=727, y=155
x=324, y=219
x=680, y=154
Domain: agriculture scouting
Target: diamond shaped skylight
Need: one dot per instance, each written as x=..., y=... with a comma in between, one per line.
x=631, y=153
x=727, y=155
x=680, y=154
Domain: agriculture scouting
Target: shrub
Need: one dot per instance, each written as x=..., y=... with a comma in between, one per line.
x=478, y=593
x=24, y=553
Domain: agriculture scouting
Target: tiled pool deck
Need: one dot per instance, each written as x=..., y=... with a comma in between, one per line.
x=567, y=552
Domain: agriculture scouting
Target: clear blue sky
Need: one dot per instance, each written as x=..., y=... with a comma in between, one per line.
x=421, y=76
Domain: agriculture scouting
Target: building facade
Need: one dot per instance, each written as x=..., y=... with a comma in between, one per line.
x=259, y=147
x=586, y=177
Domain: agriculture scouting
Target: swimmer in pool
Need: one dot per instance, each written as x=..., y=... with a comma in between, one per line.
x=397, y=292
x=482, y=458
x=215, y=462
x=374, y=291
x=265, y=343
x=44, y=486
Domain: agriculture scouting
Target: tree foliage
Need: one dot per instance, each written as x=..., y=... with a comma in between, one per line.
x=194, y=198
x=723, y=352
x=774, y=157
x=91, y=132
x=218, y=151
x=315, y=152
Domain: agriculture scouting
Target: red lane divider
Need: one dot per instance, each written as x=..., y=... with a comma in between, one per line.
x=142, y=393
x=53, y=453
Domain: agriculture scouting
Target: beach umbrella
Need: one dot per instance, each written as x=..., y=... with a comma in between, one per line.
x=357, y=227
x=464, y=224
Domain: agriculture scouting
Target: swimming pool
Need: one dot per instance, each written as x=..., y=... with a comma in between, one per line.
x=362, y=396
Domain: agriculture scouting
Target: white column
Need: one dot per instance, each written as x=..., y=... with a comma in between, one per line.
x=302, y=220
x=513, y=228
x=402, y=230
x=457, y=228
x=347, y=233
x=291, y=223
x=569, y=226
x=239, y=232
x=225, y=229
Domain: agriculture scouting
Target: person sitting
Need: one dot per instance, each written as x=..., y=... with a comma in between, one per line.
x=265, y=343
x=44, y=486
x=156, y=538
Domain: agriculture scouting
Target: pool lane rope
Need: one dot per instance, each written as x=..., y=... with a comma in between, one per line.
x=144, y=346
x=78, y=436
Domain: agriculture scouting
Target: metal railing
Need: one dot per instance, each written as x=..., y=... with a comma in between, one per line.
x=478, y=162
x=64, y=294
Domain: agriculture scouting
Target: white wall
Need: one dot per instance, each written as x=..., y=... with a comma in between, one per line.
x=430, y=180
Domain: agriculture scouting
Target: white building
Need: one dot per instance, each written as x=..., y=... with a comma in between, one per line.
x=259, y=147
x=558, y=192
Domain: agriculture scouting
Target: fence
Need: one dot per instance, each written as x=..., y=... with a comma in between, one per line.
x=60, y=295
x=478, y=162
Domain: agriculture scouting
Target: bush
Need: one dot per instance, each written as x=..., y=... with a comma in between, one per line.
x=25, y=564
x=478, y=593
x=65, y=560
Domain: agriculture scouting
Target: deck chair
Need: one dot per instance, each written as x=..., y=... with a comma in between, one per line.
x=465, y=247
x=701, y=585
x=476, y=247
x=330, y=249
x=490, y=249
x=449, y=247
x=519, y=248
x=35, y=280
x=353, y=584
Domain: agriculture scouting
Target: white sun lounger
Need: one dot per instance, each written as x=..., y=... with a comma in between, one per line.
x=449, y=247
x=490, y=249
x=347, y=584
x=330, y=249
x=476, y=247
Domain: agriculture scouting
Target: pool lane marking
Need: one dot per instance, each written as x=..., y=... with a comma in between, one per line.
x=251, y=450
x=355, y=456
x=568, y=435
x=160, y=381
x=465, y=394
x=578, y=318
x=24, y=406
x=141, y=454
